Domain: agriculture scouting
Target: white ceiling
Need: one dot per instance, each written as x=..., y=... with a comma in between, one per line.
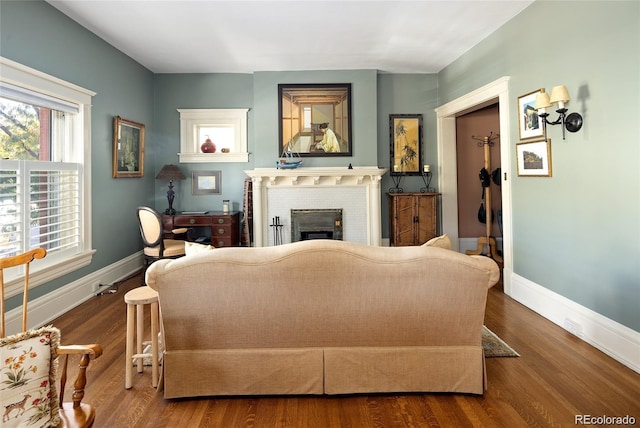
x=216, y=36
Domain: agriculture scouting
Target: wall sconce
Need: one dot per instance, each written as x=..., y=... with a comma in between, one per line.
x=560, y=95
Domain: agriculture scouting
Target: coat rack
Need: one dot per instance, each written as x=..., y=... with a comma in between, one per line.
x=488, y=239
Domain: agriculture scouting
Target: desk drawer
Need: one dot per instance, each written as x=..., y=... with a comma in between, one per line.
x=191, y=220
x=220, y=242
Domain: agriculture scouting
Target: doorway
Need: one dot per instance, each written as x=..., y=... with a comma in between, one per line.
x=492, y=93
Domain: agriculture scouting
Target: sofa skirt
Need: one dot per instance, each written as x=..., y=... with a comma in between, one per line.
x=196, y=373
x=316, y=371
x=404, y=369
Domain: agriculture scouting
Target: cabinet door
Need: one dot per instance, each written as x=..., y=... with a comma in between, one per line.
x=405, y=220
x=426, y=212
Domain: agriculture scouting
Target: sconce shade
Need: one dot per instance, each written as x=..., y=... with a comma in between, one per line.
x=170, y=172
x=542, y=100
x=559, y=94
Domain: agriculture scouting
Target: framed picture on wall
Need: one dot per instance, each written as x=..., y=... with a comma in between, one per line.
x=405, y=135
x=128, y=148
x=314, y=120
x=534, y=158
x=206, y=182
x=529, y=124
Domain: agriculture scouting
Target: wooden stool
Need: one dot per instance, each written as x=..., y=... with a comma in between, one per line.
x=135, y=300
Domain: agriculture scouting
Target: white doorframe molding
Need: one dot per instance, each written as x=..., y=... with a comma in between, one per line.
x=496, y=91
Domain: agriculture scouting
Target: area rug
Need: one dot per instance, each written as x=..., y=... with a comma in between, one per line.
x=494, y=346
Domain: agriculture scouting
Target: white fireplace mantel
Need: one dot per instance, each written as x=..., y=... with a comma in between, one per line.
x=305, y=180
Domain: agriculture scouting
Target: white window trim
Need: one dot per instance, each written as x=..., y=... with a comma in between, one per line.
x=191, y=119
x=19, y=75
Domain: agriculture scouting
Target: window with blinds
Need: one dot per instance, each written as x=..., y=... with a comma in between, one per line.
x=41, y=207
x=45, y=145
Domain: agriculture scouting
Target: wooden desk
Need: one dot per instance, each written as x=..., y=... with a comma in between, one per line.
x=218, y=228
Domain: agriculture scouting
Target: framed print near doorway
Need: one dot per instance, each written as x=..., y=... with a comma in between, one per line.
x=529, y=124
x=534, y=158
x=405, y=135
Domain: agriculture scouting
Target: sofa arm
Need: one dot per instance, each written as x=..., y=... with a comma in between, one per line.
x=489, y=266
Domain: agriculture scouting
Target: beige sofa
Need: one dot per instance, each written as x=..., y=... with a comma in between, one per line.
x=322, y=317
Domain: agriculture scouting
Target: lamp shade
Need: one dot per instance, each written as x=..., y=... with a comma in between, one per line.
x=170, y=172
x=559, y=94
x=542, y=100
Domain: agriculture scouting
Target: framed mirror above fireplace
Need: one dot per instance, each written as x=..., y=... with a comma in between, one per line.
x=314, y=120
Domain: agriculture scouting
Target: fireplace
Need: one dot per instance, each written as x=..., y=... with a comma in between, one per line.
x=316, y=224
x=355, y=190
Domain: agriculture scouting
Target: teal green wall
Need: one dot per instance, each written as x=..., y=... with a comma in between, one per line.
x=187, y=91
x=578, y=232
x=406, y=94
x=36, y=35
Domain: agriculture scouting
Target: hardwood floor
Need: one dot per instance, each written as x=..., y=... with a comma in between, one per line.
x=557, y=377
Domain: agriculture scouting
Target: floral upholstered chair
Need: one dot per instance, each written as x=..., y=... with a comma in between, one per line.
x=29, y=396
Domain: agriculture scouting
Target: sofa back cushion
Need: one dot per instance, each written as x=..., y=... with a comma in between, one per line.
x=320, y=293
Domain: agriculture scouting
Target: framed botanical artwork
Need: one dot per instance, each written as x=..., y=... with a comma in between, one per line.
x=534, y=158
x=205, y=182
x=405, y=135
x=529, y=124
x=314, y=120
x=128, y=148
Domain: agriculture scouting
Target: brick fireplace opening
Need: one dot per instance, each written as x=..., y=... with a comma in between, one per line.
x=316, y=224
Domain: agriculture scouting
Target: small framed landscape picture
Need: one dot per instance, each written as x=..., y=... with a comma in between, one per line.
x=534, y=158
x=205, y=182
x=529, y=123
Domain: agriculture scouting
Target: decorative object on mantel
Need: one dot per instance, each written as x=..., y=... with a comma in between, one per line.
x=170, y=172
x=208, y=146
x=426, y=179
x=289, y=160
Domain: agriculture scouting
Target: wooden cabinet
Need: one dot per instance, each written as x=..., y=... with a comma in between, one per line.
x=216, y=227
x=412, y=218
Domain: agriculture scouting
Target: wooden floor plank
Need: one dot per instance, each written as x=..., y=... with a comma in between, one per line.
x=556, y=377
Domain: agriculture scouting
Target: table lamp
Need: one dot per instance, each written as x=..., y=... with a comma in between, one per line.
x=170, y=172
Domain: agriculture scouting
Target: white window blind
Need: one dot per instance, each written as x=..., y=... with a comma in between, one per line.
x=42, y=207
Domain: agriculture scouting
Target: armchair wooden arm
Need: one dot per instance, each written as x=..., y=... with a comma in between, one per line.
x=77, y=414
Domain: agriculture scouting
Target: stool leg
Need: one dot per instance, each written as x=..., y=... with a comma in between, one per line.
x=128, y=373
x=139, y=334
x=154, y=344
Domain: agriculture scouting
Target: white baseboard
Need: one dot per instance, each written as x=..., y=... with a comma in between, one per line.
x=614, y=339
x=43, y=310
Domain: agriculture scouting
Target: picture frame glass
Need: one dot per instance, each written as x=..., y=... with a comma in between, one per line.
x=529, y=123
x=314, y=120
x=405, y=135
x=128, y=148
x=206, y=182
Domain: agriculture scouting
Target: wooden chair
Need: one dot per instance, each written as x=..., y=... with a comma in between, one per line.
x=156, y=247
x=72, y=414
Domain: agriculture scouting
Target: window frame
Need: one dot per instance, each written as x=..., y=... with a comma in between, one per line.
x=191, y=120
x=30, y=79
